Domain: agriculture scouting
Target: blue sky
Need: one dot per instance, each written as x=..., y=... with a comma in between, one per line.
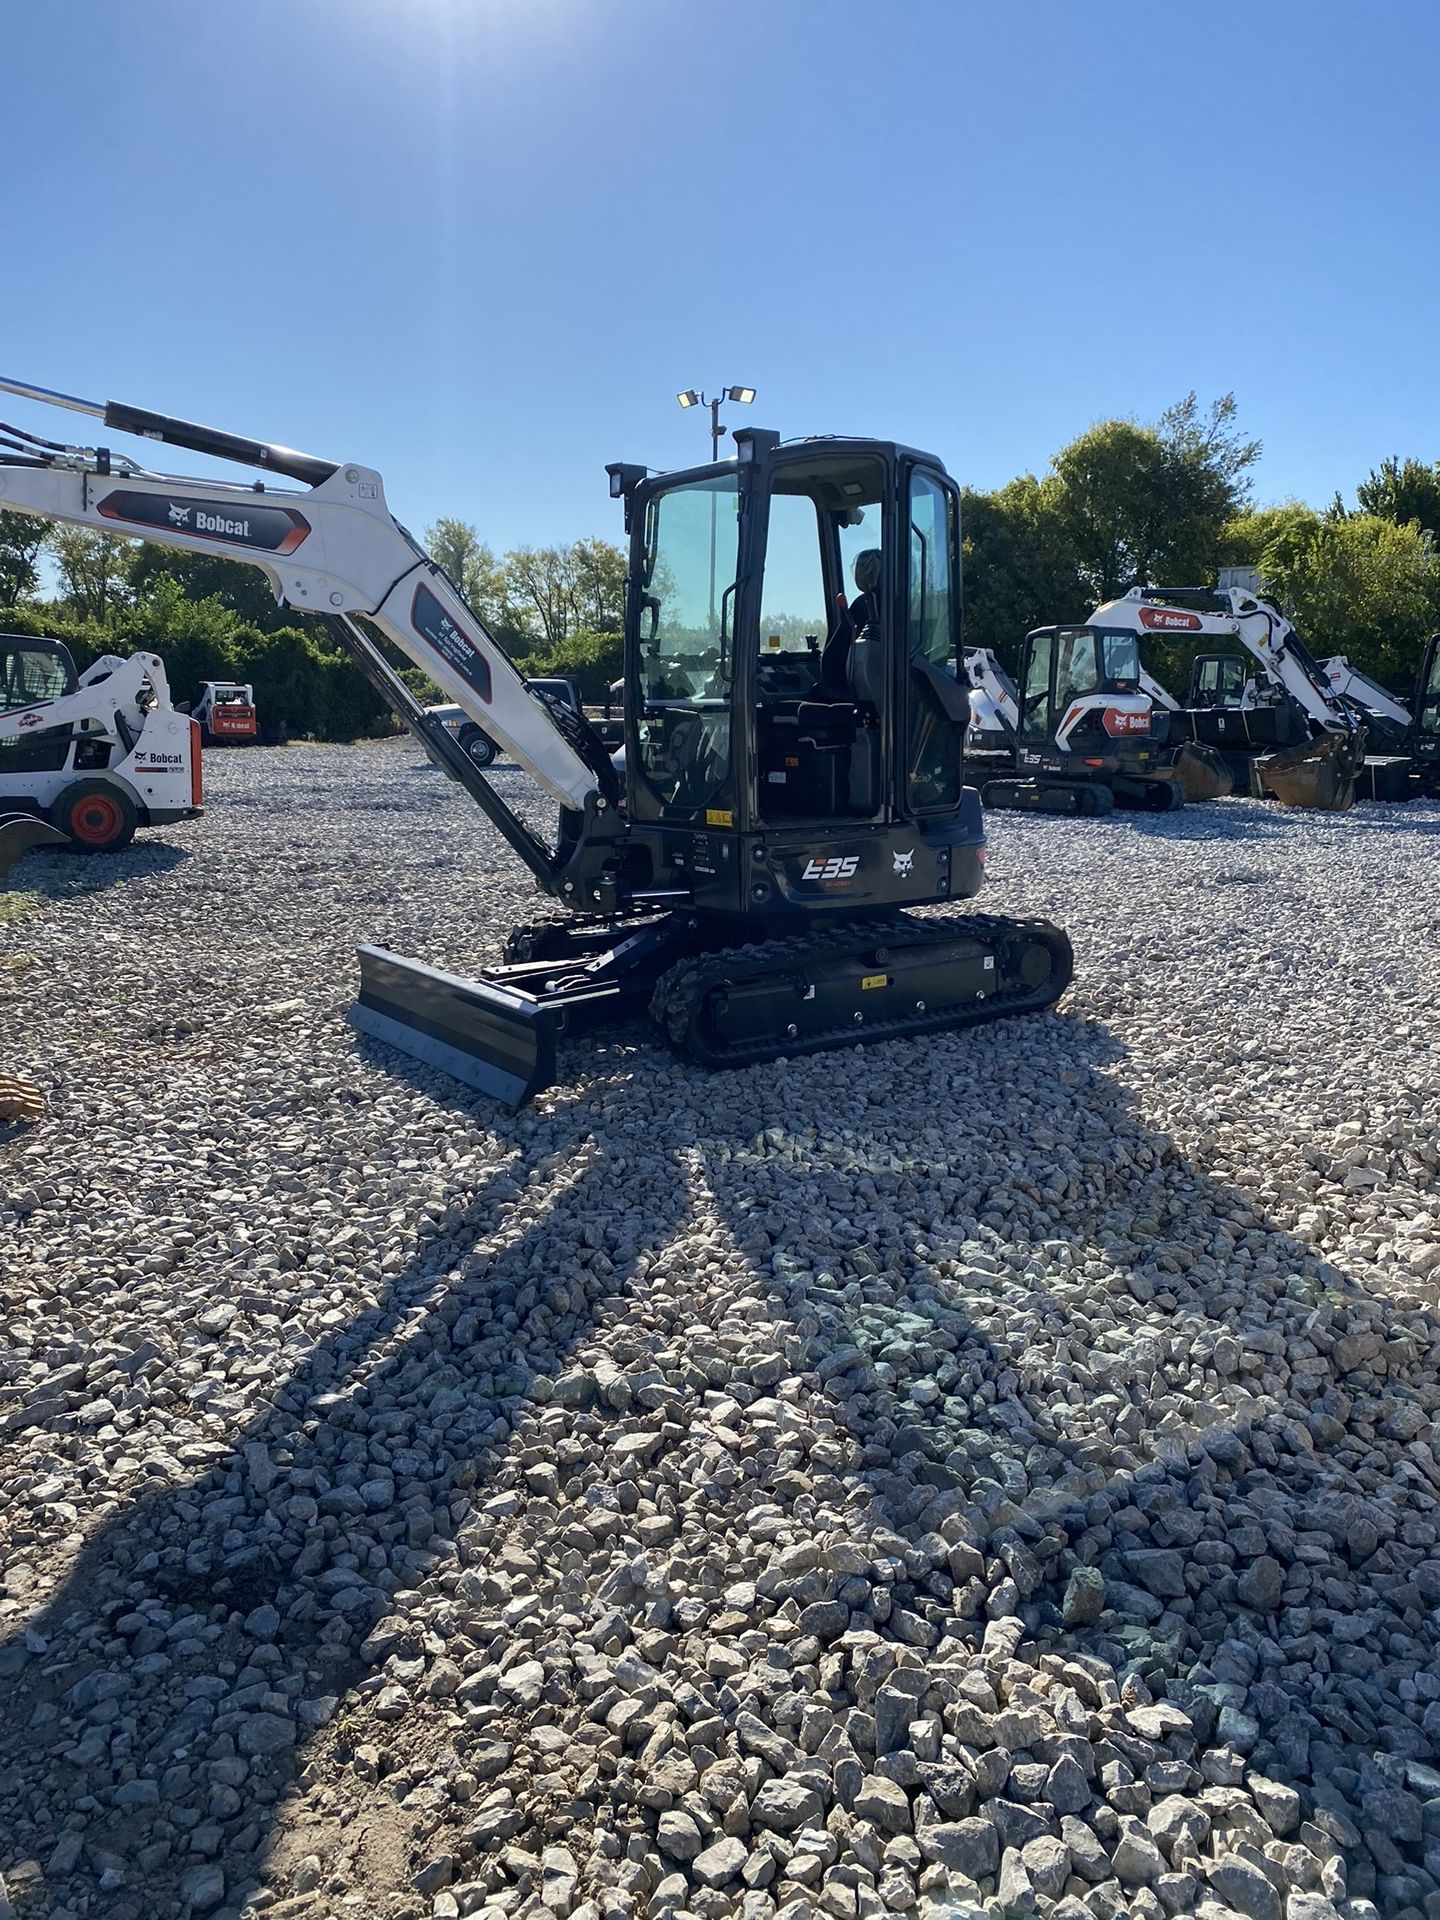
x=480, y=244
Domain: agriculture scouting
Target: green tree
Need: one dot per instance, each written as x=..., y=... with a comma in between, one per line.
x=1361, y=586
x=1020, y=565
x=1404, y=491
x=591, y=660
x=562, y=590
x=1151, y=503
x=210, y=576
x=1245, y=539
x=459, y=551
x=94, y=573
x=195, y=638
x=21, y=538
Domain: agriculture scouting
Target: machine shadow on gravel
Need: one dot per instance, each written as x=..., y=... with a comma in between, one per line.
x=67, y=876
x=877, y=1250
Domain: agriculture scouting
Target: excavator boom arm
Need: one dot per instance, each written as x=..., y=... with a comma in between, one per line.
x=1262, y=630
x=334, y=550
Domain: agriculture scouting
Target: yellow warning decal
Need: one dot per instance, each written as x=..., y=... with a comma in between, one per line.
x=719, y=817
x=874, y=980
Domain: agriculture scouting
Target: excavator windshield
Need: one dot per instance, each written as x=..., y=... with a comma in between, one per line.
x=685, y=665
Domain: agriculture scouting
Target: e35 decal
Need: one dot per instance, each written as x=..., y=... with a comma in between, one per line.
x=840, y=866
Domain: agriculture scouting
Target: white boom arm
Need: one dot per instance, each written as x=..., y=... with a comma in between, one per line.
x=1350, y=684
x=1261, y=629
x=333, y=549
x=994, y=702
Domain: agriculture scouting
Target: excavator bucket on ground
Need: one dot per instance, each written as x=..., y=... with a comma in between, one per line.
x=1319, y=774
x=21, y=831
x=1201, y=773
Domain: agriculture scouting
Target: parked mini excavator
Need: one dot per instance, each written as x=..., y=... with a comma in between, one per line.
x=782, y=801
x=1288, y=738
x=97, y=753
x=1409, y=734
x=1083, y=732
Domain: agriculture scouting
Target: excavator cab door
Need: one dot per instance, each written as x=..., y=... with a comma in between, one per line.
x=1060, y=666
x=1427, y=707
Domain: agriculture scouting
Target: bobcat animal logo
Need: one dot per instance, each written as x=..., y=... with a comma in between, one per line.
x=904, y=861
x=180, y=516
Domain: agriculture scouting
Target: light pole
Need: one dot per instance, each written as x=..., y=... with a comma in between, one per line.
x=742, y=396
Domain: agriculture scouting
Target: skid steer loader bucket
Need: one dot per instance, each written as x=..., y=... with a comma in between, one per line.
x=21, y=831
x=1201, y=773
x=496, y=1038
x=1320, y=773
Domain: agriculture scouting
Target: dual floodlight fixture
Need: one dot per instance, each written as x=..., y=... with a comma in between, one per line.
x=741, y=396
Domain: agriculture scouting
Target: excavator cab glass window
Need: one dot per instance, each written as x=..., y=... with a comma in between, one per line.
x=1218, y=680
x=1120, y=660
x=939, y=709
x=820, y=673
x=684, y=641
x=1039, y=661
x=1077, y=669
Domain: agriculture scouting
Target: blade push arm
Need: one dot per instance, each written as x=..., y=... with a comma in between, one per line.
x=334, y=550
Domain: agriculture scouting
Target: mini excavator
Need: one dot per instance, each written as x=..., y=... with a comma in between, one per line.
x=792, y=774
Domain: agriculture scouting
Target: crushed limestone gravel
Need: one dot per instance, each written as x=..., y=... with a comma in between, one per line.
x=993, y=1474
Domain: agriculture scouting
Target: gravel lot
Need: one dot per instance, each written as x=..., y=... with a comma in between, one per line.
x=994, y=1474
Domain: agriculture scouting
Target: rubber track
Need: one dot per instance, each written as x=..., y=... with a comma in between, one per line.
x=679, y=998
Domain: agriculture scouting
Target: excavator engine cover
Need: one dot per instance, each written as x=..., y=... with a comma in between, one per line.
x=1202, y=773
x=1319, y=774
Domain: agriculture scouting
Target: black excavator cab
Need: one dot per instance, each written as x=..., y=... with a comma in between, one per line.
x=793, y=776
x=794, y=717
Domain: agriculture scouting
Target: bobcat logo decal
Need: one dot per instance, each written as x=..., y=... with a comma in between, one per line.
x=903, y=862
x=180, y=516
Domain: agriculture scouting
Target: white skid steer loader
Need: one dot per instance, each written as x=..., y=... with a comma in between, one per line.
x=97, y=753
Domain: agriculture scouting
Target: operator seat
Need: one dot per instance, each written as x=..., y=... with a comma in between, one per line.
x=860, y=617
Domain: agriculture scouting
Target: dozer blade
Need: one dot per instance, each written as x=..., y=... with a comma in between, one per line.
x=21, y=831
x=1319, y=773
x=1201, y=773
x=496, y=1039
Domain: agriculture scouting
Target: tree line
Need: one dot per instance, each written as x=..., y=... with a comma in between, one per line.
x=1167, y=502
